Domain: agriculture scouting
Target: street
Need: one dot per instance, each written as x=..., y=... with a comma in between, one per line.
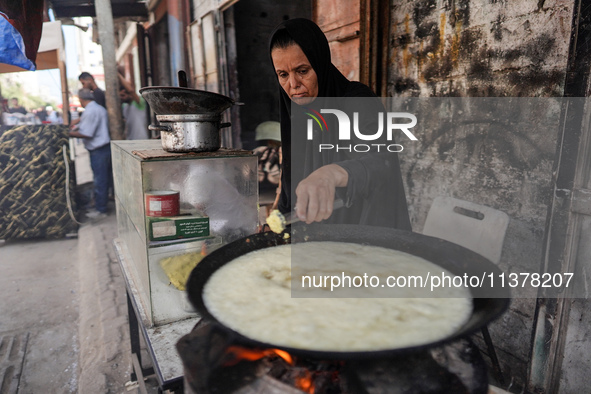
x=64, y=325
x=64, y=311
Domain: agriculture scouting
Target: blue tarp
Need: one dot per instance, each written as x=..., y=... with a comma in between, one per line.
x=12, y=46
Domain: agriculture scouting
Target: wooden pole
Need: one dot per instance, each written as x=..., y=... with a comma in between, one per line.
x=65, y=95
x=104, y=16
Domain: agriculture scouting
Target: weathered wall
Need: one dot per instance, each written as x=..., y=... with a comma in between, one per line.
x=577, y=340
x=475, y=48
x=202, y=7
x=499, y=48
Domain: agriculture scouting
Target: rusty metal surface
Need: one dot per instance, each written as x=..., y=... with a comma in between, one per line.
x=162, y=341
x=148, y=154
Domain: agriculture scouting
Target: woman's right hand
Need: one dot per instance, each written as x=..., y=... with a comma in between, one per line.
x=316, y=193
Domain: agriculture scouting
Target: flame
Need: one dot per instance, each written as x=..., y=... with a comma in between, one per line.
x=284, y=355
x=305, y=382
x=239, y=353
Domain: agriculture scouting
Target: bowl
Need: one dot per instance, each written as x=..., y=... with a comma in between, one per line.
x=167, y=100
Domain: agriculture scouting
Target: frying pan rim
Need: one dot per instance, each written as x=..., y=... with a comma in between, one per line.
x=189, y=90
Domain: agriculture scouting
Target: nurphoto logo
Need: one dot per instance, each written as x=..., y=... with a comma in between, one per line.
x=392, y=122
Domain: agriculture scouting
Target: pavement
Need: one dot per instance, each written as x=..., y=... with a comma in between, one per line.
x=64, y=325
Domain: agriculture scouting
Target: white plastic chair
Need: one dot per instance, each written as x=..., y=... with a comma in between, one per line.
x=476, y=227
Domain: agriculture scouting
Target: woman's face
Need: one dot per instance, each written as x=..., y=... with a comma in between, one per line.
x=295, y=73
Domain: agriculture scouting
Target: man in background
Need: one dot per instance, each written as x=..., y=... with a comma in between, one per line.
x=15, y=108
x=41, y=113
x=93, y=128
x=134, y=111
x=52, y=116
x=88, y=82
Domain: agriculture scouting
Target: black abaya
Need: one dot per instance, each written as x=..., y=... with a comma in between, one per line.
x=374, y=194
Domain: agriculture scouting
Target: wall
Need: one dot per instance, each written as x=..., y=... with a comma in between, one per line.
x=495, y=48
x=258, y=87
x=160, y=58
x=176, y=39
x=340, y=23
x=467, y=48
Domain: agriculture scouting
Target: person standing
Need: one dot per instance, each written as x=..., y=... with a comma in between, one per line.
x=16, y=108
x=134, y=112
x=41, y=113
x=93, y=128
x=52, y=116
x=88, y=82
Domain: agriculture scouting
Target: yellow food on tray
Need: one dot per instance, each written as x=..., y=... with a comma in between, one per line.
x=178, y=268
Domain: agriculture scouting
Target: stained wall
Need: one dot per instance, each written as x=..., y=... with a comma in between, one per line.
x=493, y=48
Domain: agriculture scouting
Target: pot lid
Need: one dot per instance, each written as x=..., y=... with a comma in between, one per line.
x=168, y=100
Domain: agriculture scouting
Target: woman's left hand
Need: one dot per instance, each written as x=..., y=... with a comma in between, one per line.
x=316, y=193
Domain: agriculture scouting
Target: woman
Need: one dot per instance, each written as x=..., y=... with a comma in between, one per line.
x=370, y=184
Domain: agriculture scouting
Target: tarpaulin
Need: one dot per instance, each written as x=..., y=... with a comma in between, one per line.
x=33, y=182
x=21, y=25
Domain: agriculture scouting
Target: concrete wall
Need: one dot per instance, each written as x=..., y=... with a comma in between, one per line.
x=202, y=7
x=475, y=48
x=499, y=48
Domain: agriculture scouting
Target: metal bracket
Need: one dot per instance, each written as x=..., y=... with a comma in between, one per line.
x=348, y=37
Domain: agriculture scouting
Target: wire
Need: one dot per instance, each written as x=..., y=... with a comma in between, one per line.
x=68, y=200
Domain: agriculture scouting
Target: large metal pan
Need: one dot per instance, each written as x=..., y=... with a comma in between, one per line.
x=452, y=257
x=167, y=100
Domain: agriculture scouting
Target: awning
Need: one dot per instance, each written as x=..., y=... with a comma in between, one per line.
x=51, y=48
x=20, y=32
x=77, y=8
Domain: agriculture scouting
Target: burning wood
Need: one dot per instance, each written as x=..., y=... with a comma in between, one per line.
x=305, y=381
x=302, y=375
x=215, y=363
x=235, y=354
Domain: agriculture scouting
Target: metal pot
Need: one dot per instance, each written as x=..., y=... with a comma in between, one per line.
x=454, y=258
x=190, y=133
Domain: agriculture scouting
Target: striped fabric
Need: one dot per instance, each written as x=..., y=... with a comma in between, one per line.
x=32, y=183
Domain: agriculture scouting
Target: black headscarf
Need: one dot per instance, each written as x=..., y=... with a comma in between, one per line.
x=332, y=83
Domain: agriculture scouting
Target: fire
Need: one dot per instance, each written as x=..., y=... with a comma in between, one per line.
x=284, y=355
x=305, y=382
x=303, y=379
x=239, y=353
